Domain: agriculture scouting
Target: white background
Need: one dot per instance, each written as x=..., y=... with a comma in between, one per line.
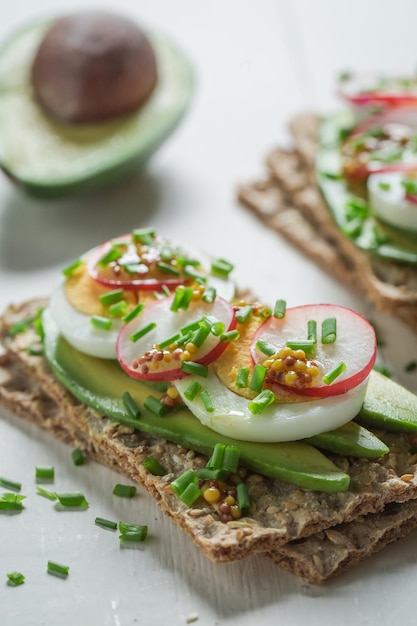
x=256, y=64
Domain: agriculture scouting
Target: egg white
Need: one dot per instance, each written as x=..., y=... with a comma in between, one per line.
x=390, y=204
x=278, y=422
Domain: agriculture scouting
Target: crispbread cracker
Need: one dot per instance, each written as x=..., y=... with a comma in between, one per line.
x=289, y=202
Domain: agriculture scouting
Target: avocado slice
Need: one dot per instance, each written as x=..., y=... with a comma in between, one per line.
x=358, y=224
x=388, y=405
x=350, y=440
x=101, y=384
x=51, y=159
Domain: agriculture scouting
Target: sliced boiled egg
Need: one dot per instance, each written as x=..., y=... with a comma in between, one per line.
x=393, y=198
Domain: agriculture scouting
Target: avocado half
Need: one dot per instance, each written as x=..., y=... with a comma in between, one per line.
x=51, y=159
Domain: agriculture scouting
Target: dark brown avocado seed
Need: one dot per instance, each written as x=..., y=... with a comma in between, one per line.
x=93, y=66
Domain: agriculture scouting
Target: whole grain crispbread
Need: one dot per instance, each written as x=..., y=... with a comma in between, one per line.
x=287, y=523
x=289, y=202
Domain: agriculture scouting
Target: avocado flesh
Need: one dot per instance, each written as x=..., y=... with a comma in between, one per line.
x=101, y=383
x=51, y=159
x=373, y=235
x=388, y=405
x=350, y=440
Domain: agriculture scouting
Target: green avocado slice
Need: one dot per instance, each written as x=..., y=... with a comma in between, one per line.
x=51, y=159
x=350, y=440
x=349, y=207
x=101, y=384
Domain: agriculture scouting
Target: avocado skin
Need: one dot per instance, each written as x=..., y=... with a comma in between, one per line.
x=350, y=440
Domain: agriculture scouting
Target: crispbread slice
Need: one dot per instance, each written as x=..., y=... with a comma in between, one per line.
x=289, y=202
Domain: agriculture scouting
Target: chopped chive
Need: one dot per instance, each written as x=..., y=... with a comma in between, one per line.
x=118, y=309
x=258, y=377
x=154, y=467
x=217, y=328
x=410, y=186
x=209, y=295
x=56, y=569
x=166, y=268
x=167, y=342
x=142, y=332
x=133, y=313
x=186, y=260
x=265, y=312
x=70, y=269
x=130, y=405
x=244, y=313
x=190, y=367
x=230, y=335
x=145, y=236
x=209, y=473
x=179, y=484
x=182, y=298
x=77, y=456
x=201, y=335
x=101, y=322
x=280, y=308
x=105, y=523
x=221, y=267
x=35, y=351
x=265, y=347
x=190, y=494
x=207, y=401
x=10, y=484
x=155, y=406
x=312, y=330
x=72, y=499
x=51, y=495
x=191, y=272
x=124, y=491
x=192, y=326
x=334, y=373
x=384, y=186
x=20, y=327
x=216, y=459
x=262, y=400
x=112, y=255
x=192, y=390
x=11, y=502
x=242, y=377
x=110, y=297
x=184, y=339
x=243, y=498
x=166, y=253
x=15, y=578
x=328, y=330
x=301, y=344
x=45, y=473
x=230, y=460
x=132, y=532
x=38, y=326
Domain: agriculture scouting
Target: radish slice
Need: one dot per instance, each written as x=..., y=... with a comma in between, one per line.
x=390, y=202
x=166, y=325
x=355, y=346
x=230, y=415
x=369, y=90
x=382, y=143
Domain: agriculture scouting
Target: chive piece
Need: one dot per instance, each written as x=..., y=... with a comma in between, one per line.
x=166, y=253
x=192, y=326
x=10, y=484
x=209, y=295
x=20, y=327
x=312, y=330
x=384, y=186
x=124, y=491
x=155, y=406
x=166, y=268
x=182, y=298
x=142, y=332
x=130, y=405
x=230, y=460
x=264, y=399
x=105, y=523
x=112, y=255
x=11, y=502
x=190, y=367
x=56, y=569
x=207, y=401
x=328, y=330
x=145, y=236
x=221, y=267
x=190, y=494
x=242, y=378
x=265, y=347
x=51, y=495
x=15, y=578
x=192, y=390
x=70, y=269
x=201, y=335
x=217, y=328
x=280, y=308
x=110, y=297
x=216, y=459
x=184, y=339
x=132, y=532
x=98, y=321
x=35, y=351
x=243, y=498
x=185, y=487
x=118, y=309
x=191, y=272
x=154, y=467
x=77, y=456
x=167, y=342
x=258, y=377
x=334, y=373
x=244, y=313
x=209, y=473
x=265, y=312
x=410, y=186
x=133, y=313
x=45, y=473
x=72, y=499
x=301, y=344
x=230, y=335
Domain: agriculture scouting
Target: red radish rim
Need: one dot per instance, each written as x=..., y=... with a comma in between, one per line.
x=411, y=198
x=354, y=90
x=338, y=387
x=175, y=374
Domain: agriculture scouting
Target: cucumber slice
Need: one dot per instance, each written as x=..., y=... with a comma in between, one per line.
x=51, y=159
